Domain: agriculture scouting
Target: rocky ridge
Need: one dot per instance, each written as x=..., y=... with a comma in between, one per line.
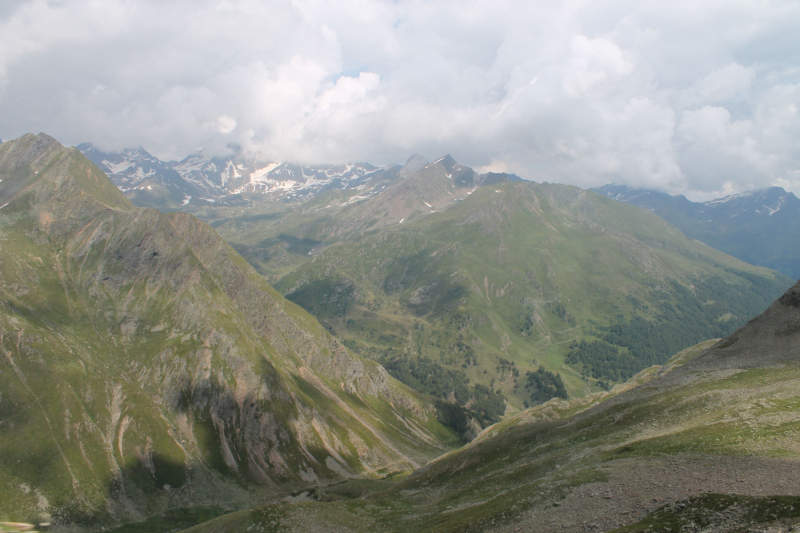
x=146, y=365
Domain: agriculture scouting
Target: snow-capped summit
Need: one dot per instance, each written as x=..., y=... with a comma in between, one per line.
x=134, y=168
x=305, y=180
x=209, y=178
x=766, y=202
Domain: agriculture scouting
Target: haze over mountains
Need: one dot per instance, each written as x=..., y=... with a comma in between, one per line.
x=761, y=227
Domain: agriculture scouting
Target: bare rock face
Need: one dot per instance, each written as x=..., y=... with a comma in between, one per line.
x=146, y=365
x=792, y=297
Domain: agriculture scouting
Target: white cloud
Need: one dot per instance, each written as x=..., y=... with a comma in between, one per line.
x=226, y=124
x=593, y=62
x=716, y=149
x=724, y=84
x=348, y=90
x=694, y=97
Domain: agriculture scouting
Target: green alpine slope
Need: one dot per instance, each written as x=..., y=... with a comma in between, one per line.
x=707, y=442
x=277, y=236
x=146, y=366
x=523, y=276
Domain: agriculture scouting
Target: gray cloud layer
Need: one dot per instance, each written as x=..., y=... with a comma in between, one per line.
x=684, y=96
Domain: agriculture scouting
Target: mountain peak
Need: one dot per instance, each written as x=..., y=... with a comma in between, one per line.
x=766, y=201
x=447, y=162
x=84, y=147
x=413, y=164
x=460, y=175
x=41, y=143
x=21, y=160
x=39, y=158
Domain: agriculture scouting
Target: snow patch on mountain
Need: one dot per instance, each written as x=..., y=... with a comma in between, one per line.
x=194, y=164
x=230, y=173
x=261, y=173
x=730, y=198
x=115, y=168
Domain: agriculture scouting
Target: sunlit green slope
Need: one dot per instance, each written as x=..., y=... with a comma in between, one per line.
x=706, y=443
x=145, y=365
x=515, y=276
x=277, y=236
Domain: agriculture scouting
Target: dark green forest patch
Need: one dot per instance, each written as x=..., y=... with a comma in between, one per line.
x=544, y=385
x=681, y=320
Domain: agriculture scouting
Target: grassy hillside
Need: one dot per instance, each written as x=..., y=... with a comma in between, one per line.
x=707, y=442
x=146, y=366
x=277, y=236
x=519, y=276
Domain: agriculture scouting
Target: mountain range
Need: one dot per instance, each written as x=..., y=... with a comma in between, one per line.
x=461, y=283
x=435, y=237
x=518, y=276
x=149, y=181
x=152, y=378
x=705, y=442
x=146, y=366
x=760, y=227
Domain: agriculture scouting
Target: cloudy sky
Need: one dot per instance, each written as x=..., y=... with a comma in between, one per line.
x=684, y=96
